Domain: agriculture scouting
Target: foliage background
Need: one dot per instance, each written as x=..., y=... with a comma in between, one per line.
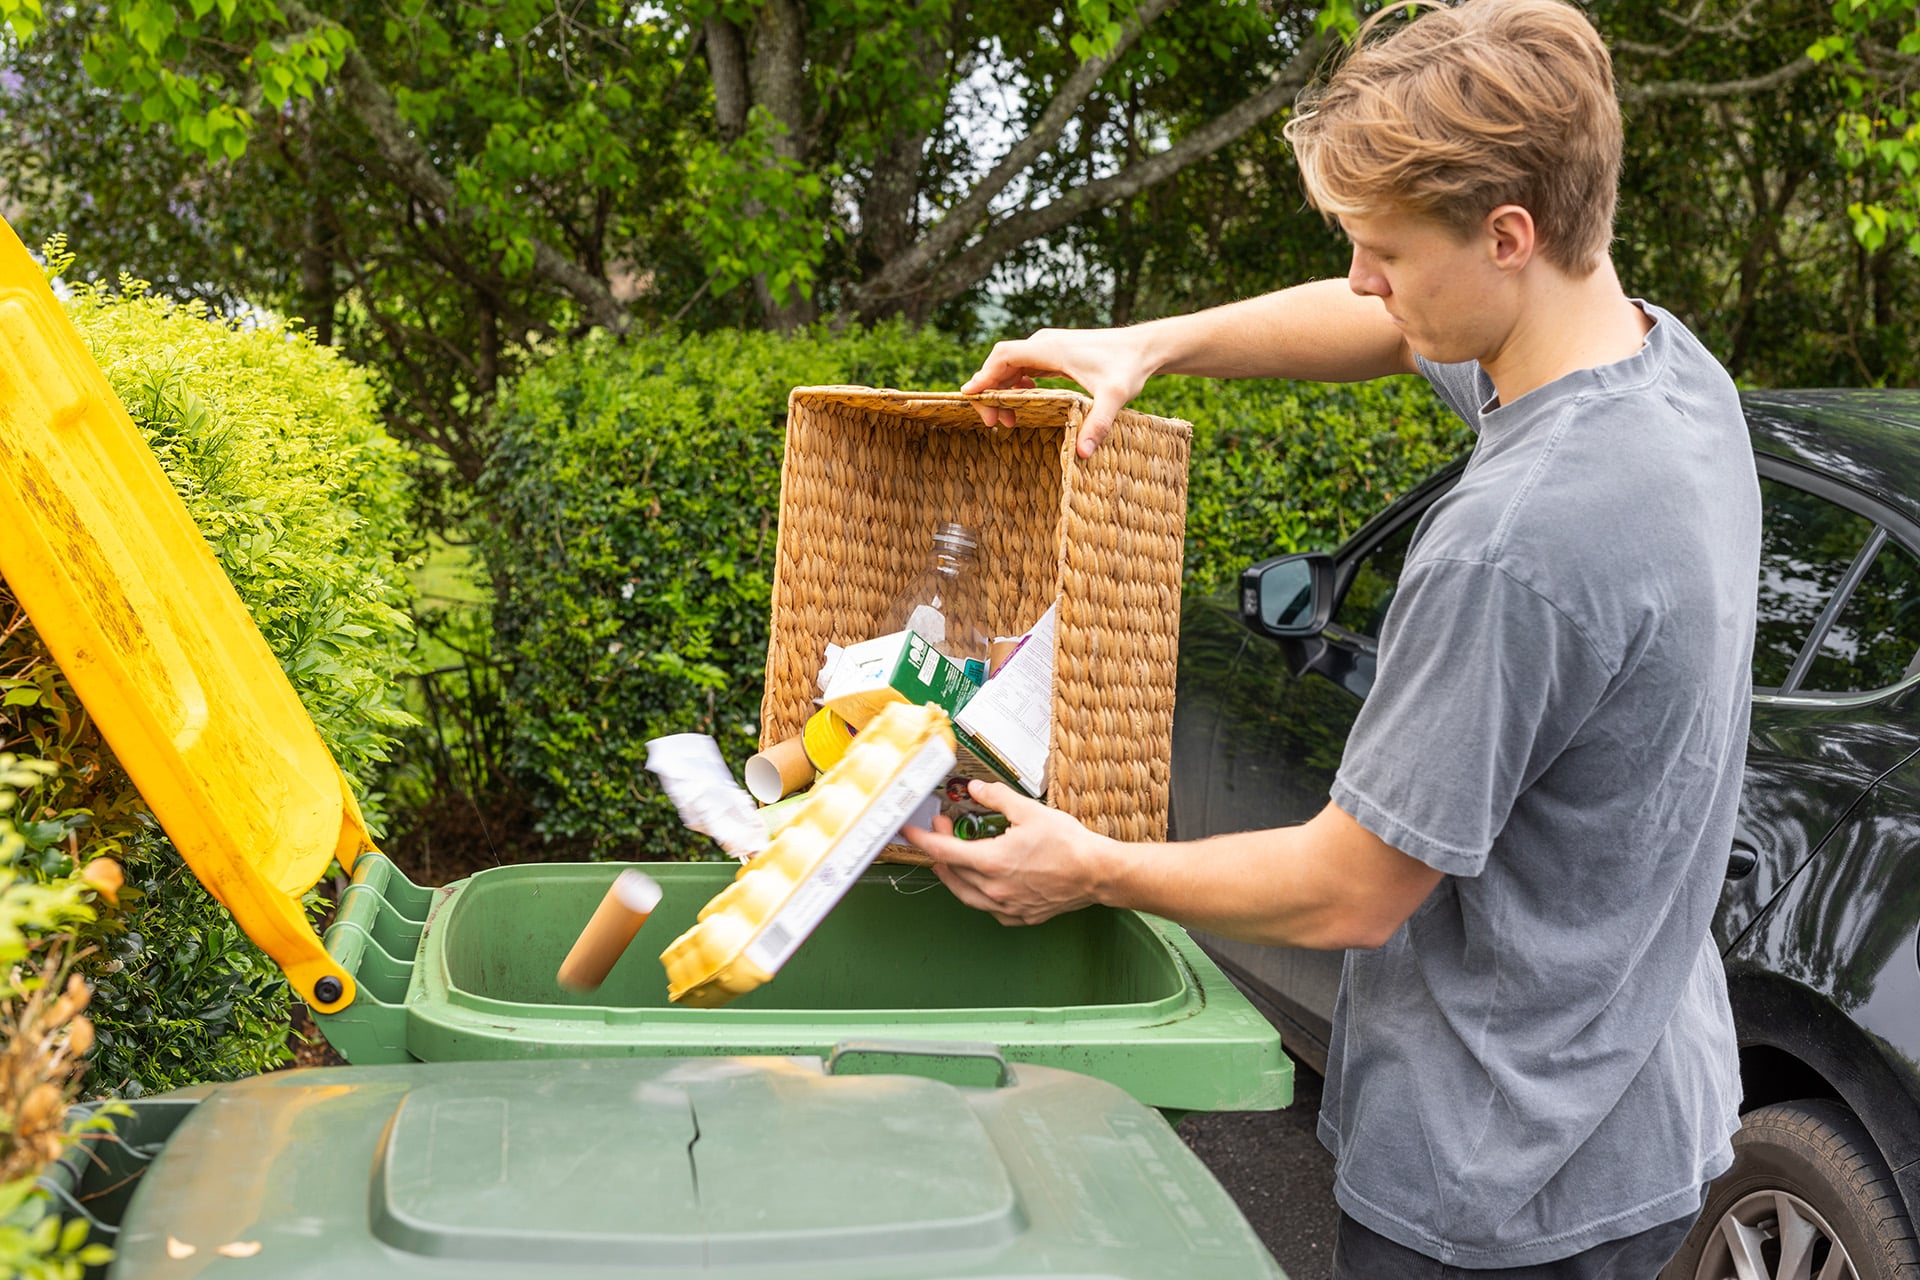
x=445, y=190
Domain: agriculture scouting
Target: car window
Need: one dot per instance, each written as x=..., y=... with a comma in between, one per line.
x=1364, y=607
x=1874, y=640
x=1807, y=544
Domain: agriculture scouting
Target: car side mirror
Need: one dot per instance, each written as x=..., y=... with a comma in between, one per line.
x=1288, y=597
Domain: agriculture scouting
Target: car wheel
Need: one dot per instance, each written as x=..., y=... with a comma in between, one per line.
x=1808, y=1198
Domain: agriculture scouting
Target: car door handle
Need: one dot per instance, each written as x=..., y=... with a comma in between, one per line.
x=1742, y=860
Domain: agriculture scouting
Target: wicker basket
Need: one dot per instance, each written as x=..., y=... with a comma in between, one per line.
x=866, y=476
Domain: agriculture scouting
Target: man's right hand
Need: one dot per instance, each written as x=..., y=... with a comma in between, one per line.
x=1110, y=363
x=1322, y=331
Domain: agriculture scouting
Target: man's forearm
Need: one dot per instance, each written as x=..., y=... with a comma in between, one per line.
x=1320, y=332
x=1327, y=884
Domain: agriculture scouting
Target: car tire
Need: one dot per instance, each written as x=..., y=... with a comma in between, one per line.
x=1811, y=1165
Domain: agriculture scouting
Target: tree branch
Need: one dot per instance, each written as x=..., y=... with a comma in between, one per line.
x=1668, y=90
x=367, y=98
x=952, y=230
x=1016, y=230
x=1736, y=26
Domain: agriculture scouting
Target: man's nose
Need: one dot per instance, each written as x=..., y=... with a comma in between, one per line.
x=1365, y=281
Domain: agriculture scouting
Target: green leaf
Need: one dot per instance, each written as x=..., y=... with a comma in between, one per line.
x=13, y=1195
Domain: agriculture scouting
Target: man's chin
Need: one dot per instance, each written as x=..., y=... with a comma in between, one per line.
x=1436, y=353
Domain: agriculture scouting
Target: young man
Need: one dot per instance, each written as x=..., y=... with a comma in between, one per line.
x=1532, y=1070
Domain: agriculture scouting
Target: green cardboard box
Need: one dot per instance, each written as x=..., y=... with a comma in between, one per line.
x=904, y=667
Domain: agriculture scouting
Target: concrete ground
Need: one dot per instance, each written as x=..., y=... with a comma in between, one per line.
x=1278, y=1173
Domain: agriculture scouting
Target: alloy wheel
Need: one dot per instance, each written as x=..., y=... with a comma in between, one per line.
x=1774, y=1235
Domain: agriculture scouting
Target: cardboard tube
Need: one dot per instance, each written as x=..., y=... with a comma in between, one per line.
x=1000, y=650
x=629, y=901
x=780, y=770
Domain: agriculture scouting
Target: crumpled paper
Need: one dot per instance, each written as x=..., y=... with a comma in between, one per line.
x=829, y=665
x=697, y=780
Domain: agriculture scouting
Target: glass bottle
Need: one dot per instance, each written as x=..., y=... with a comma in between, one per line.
x=943, y=603
x=980, y=826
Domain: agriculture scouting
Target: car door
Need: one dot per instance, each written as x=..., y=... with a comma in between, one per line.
x=1260, y=744
x=1838, y=631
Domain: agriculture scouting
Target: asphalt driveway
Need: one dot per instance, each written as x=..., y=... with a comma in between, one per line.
x=1278, y=1173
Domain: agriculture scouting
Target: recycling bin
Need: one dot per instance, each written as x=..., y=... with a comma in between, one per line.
x=468, y=972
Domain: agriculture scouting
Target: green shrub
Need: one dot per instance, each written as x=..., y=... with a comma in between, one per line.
x=273, y=444
x=1296, y=466
x=636, y=488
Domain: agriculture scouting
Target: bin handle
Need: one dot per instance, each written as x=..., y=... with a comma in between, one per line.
x=971, y=1063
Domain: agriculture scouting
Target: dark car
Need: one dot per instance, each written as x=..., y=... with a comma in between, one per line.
x=1819, y=919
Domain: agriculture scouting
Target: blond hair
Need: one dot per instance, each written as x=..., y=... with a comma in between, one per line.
x=1467, y=108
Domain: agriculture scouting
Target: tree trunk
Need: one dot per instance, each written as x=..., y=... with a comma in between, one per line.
x=316, y=277
x=767, y=67
x=727, y=65
x=1762, y=249
x=778, y=73
x=1126, y=282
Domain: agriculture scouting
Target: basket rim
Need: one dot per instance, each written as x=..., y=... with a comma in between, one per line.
x=1007, y=396
x=1061, y=406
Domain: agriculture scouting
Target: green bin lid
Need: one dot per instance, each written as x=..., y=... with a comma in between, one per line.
x=743, y=1167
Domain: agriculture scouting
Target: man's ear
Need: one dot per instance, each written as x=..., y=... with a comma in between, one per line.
x=1510, y=237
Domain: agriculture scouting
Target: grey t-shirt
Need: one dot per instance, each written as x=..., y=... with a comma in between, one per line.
x=1542, y=1057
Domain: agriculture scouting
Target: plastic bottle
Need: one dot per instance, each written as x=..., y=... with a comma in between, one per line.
x=943, y=603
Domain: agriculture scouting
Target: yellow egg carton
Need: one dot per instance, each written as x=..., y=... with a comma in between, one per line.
x=753, y=925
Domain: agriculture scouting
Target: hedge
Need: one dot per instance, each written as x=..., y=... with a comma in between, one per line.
x=1279, y=467
x=636, y=485
x=274, y=444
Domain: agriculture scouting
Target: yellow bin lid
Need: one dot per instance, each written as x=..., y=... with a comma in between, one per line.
x=127, y=595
